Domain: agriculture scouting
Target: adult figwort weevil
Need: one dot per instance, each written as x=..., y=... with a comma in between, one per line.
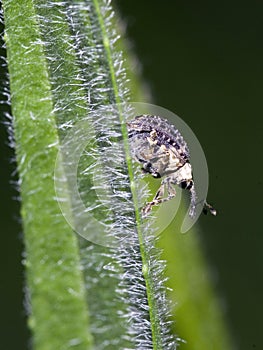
x=163, y=153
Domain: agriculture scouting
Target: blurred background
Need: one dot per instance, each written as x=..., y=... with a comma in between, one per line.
x=203, y=61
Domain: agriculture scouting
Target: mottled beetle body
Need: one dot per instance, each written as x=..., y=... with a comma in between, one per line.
x=163, y=152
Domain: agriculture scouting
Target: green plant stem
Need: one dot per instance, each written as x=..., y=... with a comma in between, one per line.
x=59, y=317
x=150, y=288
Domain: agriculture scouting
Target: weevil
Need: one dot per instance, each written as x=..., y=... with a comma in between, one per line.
x=163, y=153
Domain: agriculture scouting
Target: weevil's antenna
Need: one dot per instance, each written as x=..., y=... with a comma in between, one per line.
x=208, y=207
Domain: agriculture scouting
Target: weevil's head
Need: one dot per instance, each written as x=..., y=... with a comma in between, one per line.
x=184, y=177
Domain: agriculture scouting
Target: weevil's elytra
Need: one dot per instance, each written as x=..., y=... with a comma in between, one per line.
x=163, y=152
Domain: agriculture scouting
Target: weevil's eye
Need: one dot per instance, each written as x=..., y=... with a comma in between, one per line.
x=186, y=185
x=183, y=184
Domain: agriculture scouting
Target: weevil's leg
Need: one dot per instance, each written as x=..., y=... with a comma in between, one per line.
x=171, y=192
x=158, y=198
x=209, y=207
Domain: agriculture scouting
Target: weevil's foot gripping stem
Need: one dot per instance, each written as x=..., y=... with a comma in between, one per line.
x=146, y=210
x=207, y=207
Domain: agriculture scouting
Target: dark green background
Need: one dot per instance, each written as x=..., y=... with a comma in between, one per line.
x=203, y=61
